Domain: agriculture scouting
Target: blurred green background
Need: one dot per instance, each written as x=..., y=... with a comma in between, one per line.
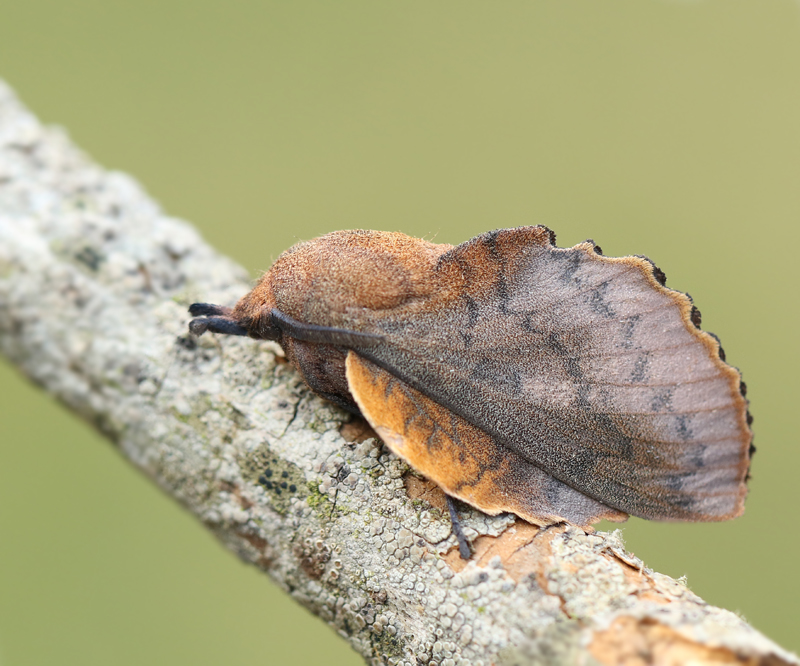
x=670, y=129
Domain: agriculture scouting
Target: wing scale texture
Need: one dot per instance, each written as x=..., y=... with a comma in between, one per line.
x=584, y=366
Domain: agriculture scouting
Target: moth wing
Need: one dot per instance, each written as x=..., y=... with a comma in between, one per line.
x=585, y=366
x=464, y=461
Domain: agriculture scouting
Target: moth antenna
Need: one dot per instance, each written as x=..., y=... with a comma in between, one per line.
x=463, y=544
x=209, y=310
x=216, y=325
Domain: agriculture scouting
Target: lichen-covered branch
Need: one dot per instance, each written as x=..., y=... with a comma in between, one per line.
x=94, y=285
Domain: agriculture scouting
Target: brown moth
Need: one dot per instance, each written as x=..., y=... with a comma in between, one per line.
x=554, y=383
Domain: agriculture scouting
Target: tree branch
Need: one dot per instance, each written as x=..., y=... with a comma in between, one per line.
x=94, y=285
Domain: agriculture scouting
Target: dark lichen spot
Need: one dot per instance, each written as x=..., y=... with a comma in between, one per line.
x=292, y=488
x=187, y=342
x=89, y=257
x=284, y=485
x=261, y=467
x=385, y=645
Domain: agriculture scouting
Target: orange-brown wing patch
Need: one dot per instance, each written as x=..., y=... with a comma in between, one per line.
x=463, y=460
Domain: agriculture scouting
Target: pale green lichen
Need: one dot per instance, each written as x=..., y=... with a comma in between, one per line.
x=317, y=501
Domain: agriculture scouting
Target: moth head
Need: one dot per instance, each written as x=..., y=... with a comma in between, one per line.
x=252, y=315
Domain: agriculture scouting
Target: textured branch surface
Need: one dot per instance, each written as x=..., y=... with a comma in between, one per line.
x=94, y=285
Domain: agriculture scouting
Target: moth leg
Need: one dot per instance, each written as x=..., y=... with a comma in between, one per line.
x=463, y=544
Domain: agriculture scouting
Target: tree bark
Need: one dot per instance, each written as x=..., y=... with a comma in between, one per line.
x=94, y=285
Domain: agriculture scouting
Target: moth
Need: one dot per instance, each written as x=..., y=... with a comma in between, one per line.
x=557, y=384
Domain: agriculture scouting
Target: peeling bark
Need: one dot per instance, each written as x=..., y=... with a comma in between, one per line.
x=94, y=285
